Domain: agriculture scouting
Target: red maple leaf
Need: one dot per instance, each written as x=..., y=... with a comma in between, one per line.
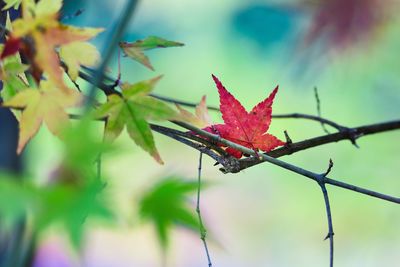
x=245, y=128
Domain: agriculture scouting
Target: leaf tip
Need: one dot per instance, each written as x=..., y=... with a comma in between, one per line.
x=157, y=157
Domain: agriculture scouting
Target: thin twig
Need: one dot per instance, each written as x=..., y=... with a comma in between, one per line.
x=310, y=117
x=182, y=103
x=202, y=229
x=313, y=176
x=196, y=146
x=328, y=212
x=329, y=168
x=330, y=225
x=319, y=109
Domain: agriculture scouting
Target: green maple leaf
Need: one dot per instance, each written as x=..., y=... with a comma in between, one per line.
x=13, y=78
x=167, y=204
x=12, y=3
x=132, y=109
x=61, y=204
x=135, y=50
x=70, y=207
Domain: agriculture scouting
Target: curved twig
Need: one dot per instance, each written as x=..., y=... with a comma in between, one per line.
x=328, y=213
x=330, y=225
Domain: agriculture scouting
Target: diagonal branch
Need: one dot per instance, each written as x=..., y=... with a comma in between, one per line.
x=322, y=140
x=303, y=172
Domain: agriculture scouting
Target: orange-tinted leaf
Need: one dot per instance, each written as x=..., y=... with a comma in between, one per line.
x=42, y=34
x=46, y=105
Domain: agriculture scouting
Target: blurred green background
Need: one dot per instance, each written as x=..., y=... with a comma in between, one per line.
x=263, y=216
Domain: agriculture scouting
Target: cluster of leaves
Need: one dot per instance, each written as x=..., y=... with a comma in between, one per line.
x=53, y=50
x=44, y=43
x=39, y=94
x=41, y=39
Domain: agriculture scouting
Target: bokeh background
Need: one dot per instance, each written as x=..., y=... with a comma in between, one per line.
x=263, y=216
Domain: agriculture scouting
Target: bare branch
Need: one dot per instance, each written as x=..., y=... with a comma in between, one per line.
x=330, y=225
x=311, y=175
x=356, y=132
x=328, y=212
x=319, y=109
x=202, y=229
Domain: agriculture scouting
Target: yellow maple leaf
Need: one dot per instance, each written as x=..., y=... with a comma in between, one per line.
x=46, y=104
x=76, y=54
x=40, y=24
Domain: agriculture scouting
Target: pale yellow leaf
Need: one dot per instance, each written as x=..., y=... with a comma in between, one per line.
x=76, y=54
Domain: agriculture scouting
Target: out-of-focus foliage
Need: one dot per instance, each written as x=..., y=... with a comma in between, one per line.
x=12, y=76
x=12, y=3
x=72, y=194
x=135, y=50
x=48, y=205
x=167, y=205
